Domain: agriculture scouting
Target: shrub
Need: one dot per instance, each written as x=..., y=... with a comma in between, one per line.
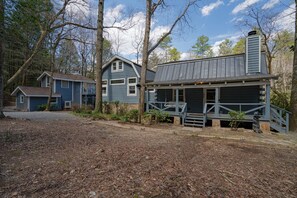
x=123, y=109
x=132, y=115
x=159, y=116
x=117, y=104
x=106, y=107
x=281, y=99
x=236, y=117
x=76, y=109
x=115, y=117
x=99, y=116
x=41, y=107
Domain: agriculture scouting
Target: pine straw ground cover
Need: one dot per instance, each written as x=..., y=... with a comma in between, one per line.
x=82, y=158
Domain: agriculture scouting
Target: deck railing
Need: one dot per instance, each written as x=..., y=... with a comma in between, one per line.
x=172, y=108
x=217, y=109
x=279, y=118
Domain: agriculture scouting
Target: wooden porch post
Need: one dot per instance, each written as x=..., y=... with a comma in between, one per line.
x=267, y=102
x=217, y=102
x=176, y=101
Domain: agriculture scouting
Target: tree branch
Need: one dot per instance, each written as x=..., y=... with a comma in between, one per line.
x=179, y=18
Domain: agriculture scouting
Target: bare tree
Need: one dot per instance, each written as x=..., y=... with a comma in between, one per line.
x=1, y=56
x=99, y=51
x=54, y=46
x=266, y=24
x=293, y=121
x=150, y=10
x=52, y=23
x=138, y=43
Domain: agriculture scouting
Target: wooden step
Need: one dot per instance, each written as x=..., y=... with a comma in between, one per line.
x=194, y=121
x=193, y=125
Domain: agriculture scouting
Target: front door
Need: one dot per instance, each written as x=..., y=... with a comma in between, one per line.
x=209, y=97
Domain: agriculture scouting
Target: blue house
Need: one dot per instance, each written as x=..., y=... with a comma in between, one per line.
x=68, y=90
x=206, y=90
x=31, y=98
x=120, y=77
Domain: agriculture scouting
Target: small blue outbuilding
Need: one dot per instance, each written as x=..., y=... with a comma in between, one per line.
x=32, y=98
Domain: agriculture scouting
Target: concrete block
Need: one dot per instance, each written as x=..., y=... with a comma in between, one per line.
x=216, y=123
x=265, y=126
x=176, y=120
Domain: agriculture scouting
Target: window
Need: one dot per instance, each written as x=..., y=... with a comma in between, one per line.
x=117, y=66
x=114, y=66
x=21, y=98
x=64, y=84
x=210, y=95
x=131, y=88
x=120, y=81
x=181, y=95
x=47, y=81
x=104, y=87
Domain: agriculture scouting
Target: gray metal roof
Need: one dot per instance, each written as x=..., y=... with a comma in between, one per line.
x=223, y=68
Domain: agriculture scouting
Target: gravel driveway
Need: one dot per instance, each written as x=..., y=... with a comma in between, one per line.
x=42, y=115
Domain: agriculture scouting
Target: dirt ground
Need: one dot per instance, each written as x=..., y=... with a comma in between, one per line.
x=83, y=158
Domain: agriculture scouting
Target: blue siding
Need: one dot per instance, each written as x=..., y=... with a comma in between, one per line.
x=119, y=92
x=66, y=93
x=21, y=106
x=150, y=75
x=35, y=102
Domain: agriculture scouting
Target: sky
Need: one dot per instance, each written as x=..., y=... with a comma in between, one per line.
x=217, y=19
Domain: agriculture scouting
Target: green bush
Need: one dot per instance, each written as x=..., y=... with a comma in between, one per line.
x=236, y=117
x=117, y=104
x=115, y=117
x=123, y=109
x=41, y=107
x=132, y=115
x=99, y=116
x=281, y=99
x=106, y=107
x=159, y=116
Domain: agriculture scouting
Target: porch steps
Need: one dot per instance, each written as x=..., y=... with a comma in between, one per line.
x=277, y=127
x=194, y=120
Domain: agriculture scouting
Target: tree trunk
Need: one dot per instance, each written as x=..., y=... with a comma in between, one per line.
x=99, y=50
x=1, y=56
x=145, y=55
x=293, y=120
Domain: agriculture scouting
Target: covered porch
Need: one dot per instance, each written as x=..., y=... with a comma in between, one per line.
x=197, y=103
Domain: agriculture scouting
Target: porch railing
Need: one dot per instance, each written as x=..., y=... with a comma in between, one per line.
x=172, y=108
x=217, y=109
x=279, y=118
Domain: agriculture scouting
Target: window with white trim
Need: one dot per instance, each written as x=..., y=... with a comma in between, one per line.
x=64, y=84
x=119, y=81
x=117, y=66
x=21, y=98
x=132, y=88
x=47, y=81
x=104, y=88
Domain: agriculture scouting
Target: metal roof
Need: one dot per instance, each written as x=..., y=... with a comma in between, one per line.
x=222, y=68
